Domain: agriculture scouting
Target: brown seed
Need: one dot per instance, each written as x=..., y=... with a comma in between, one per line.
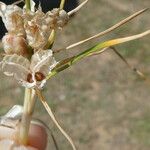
x=29, y=78
x=39, y=76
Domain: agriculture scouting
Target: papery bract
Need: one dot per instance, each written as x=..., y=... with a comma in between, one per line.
x=39, y=25
x=15, y=44
x=34, y=26
x=12, y=18
x=29, y=74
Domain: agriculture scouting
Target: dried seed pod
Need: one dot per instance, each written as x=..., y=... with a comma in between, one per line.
x=37, y=29
x=14, y=44
x=43, y=61
x=14, y=65
x=12, y=18
x=59, y=18
x=29, y=74
x=62, y=19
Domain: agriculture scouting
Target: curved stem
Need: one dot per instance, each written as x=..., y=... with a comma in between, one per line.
x=48, y=109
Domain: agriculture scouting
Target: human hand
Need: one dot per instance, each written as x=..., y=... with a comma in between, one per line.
x=9, y=138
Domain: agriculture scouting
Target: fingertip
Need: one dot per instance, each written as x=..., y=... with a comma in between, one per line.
x=38, y=136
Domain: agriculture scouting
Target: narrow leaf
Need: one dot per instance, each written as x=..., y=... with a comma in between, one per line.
x=122, y=22
x=99, y=48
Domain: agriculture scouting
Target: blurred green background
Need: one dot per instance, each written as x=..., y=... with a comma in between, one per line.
x=100, y=102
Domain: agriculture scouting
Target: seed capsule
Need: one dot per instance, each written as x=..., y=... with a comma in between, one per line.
x=39, y=76
x=12, y=18
x=29, y=74
x=13, y=44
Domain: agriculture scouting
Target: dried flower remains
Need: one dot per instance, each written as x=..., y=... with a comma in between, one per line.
x=29, y=55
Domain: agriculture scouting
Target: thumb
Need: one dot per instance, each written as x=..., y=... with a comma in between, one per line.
x=37, y=137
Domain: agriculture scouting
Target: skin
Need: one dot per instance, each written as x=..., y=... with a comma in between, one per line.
x=37, y=138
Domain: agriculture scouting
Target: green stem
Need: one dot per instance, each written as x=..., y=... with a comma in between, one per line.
x=99, y=48
x=28, y=5
x=62, y=4
x=28, y=108
x=51, y=40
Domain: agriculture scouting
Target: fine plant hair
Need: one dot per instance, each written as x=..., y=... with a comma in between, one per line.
x=32, y=62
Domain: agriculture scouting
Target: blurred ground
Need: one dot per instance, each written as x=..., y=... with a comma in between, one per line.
x=100, y=102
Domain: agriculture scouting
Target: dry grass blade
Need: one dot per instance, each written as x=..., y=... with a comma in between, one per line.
x=77, y=8
x=94, y=50
x=48, y=109
x=106, y=31
x=126, y=39
x=18, y=2
x=138, y=72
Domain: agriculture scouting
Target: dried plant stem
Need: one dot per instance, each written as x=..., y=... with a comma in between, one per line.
x=104, y=32
x=28, y=108
x=18, y=2
x=48, y=109
x=77, y=8
x=138, y=72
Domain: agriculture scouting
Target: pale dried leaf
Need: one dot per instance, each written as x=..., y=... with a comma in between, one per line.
x=32, y=3
x=12, y=18
x=37, y=27
x=43, y=61
x=14, y=44
x=15, y=65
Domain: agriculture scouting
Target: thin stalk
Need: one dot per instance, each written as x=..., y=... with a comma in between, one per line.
x=28, y=107
x=51, y=40
x=28, y=5
x=62, y=4
x=138, y=72
x=53, y=33
x=48, y=109
x=122, y=22
x=18, y=2
x=77, y=8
